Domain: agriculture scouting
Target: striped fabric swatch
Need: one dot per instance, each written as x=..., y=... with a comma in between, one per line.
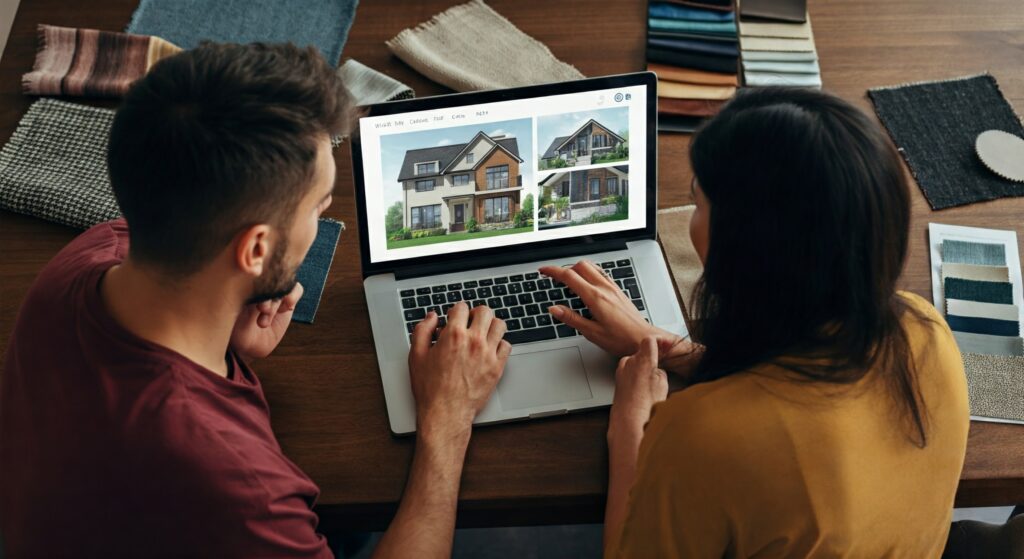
x=91, y=63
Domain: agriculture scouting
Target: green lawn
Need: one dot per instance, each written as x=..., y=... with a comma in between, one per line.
x=461, y=236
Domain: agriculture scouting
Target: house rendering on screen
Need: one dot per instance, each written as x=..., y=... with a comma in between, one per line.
x=584, y=193
x=582, y=146
x=446, y=186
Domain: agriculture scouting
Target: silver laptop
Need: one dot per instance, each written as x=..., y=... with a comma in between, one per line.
x=462, y=197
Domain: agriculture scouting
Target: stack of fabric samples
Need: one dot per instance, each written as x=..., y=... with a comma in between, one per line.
x=692, y=46
x=778, y=53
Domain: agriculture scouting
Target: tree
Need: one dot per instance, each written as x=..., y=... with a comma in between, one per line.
x=561, y=203
x=393, y=219
x=528, y=205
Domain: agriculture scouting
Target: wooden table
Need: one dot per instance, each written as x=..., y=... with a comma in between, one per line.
x=322, y=382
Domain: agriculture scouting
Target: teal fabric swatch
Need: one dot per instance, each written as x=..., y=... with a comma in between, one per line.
x=312, y=274
x=982, y=291
x=665, y=10
x=966, y=252
x=709, y=27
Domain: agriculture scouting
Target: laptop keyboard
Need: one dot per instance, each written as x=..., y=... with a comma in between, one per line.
x=521, y=300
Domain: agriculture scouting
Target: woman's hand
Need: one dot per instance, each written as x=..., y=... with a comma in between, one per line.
x=617, y=327
x=639, y=384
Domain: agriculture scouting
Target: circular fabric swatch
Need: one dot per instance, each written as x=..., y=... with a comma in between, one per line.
x=1003, y=153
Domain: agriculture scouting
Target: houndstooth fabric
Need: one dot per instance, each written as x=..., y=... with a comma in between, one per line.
x=55, y=165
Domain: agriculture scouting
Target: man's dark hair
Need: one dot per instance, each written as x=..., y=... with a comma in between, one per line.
x=216, y=139
x=808, y=233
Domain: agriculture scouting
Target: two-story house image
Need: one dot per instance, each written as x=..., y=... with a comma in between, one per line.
x=445, y=186
x=580, y=147
x=587, y=192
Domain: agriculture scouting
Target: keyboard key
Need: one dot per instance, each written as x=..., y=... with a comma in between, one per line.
x=484, y=292
x=510, y=300
x=629, y=282
x=438, y=288
x=500, y=280
x=469, y=294
x=545, y=306
x=423, y=291
x=518, y=312
x=529, y=322
x=557, y=283
x=500, y=290
x=415, y=315
x=454, y=297
x=454, y=286
x=555, y=294
x=407, y=293
x=532, y=309
x=502, y=314
x=513, y=324
x=435, y=309
x=534, y=335
x=494, y=303
x=634, y=292
x=445, y=309
x=586, y=314
x=606, y=265
x=544, y=284
x=626, y=272
x=423, y=301
x=408, y=303
x=439, y=299
x=525, y=299
x=486, y=282
x=544, y=319
x=515, y=288
x=517, y=277
x=562, y=302
x=479, y=303
x=530, y=286
x=621, y=263
x=532, y=275
x=410, y=326
x=540, y=296
x=639, y=304
x=618, y=283
x=577, y=303
x=469, y=284
x=565, y=331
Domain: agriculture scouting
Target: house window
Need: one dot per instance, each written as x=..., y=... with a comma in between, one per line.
x=496, y=209
x=425, y=185
x=565, y=189
x=459, y=180
x=426, y=168
x=599, y=141
x=426, y=217
x=497, y=177
x=595, y=189
x=613, y=186
x=469, y=157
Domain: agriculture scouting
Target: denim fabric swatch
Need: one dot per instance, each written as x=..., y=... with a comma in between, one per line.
x=978, y=325
x=935, y=125
x=982, y=310
x=321, y=23
x=995, y=385
x=967, y=252
x=673, y=11
x=975, y=272
x=312, y=273
x=983, y=291
x=989, y=345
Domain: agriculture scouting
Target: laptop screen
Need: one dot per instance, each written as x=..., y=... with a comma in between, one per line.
x=504, y=173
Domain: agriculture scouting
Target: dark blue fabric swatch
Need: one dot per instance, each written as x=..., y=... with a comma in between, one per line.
x=979, y=325
x=321, y=23
x=312, y=273
x=700, y=47
x=981, y=291
x=708, y=62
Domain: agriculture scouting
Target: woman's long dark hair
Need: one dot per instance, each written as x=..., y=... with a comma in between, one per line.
x=809, y=218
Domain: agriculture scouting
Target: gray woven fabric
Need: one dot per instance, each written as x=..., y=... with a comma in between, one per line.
x=55, y=165
x=966, y=252
x=995, y=385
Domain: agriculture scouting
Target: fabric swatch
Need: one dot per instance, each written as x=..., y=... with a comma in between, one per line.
x=779, y=30
x=700, y=47
x=321, y=23
x=776, y=45
x=368, y=86
x=689, y=107
x=982, y=310
x=968, y=252
x=667, y=10
x=774, y=56
x=780, y=10
x=690, y=75
x=91, y=63
x=721, y=5
x=781, y=67
x=708, y=63
x=729, y=39
x=975, y=272
x=995, y=385
x=471, y=47
x=683, y=261
x=685, y=124
x=312, y=274
x=675, y=90
x=981, y=291
x=978, y=325
x=708, y=27
x=55, y=165
x=935, y=124
x=989, y=345
x=778, y=78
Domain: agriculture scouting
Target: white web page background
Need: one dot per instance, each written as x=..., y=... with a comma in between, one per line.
x=371, y=129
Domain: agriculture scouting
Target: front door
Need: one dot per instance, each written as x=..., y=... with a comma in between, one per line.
x=460, y=214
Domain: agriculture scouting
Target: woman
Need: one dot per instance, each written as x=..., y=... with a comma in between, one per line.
x=826, y=412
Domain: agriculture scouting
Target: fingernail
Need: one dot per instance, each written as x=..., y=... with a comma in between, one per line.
x=557, y=311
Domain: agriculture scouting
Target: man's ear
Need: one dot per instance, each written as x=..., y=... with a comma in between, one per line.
x=252, y=249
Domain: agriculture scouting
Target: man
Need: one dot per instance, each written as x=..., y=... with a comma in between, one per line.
x=130, y=424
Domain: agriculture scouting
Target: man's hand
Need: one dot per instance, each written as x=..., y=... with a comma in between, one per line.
x=453, y=380
x=261, y=326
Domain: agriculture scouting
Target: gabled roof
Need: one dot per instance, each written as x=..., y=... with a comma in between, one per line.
x=446, y=155
x=624, y=169
x=556, y=145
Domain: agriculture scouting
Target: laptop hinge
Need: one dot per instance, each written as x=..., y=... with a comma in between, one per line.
x=515, y=256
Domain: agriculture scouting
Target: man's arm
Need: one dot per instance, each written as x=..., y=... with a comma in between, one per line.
x=451, y=382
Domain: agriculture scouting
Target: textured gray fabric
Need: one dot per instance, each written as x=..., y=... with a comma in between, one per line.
x=55, y=165
x=987, y=344
x=966, y=252
x=995, y=385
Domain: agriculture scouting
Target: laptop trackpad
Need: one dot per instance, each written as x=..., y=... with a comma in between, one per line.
x=543, y=378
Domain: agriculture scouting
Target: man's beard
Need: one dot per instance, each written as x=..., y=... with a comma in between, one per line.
x=276, y=281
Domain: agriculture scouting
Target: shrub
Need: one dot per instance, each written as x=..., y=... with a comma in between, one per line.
x=472, y=226
x=520, y=219
x=542, y=213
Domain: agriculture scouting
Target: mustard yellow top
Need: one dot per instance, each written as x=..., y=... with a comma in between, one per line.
x=758, y=465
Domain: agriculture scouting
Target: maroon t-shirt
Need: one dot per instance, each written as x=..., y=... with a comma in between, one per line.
x=111, y=445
